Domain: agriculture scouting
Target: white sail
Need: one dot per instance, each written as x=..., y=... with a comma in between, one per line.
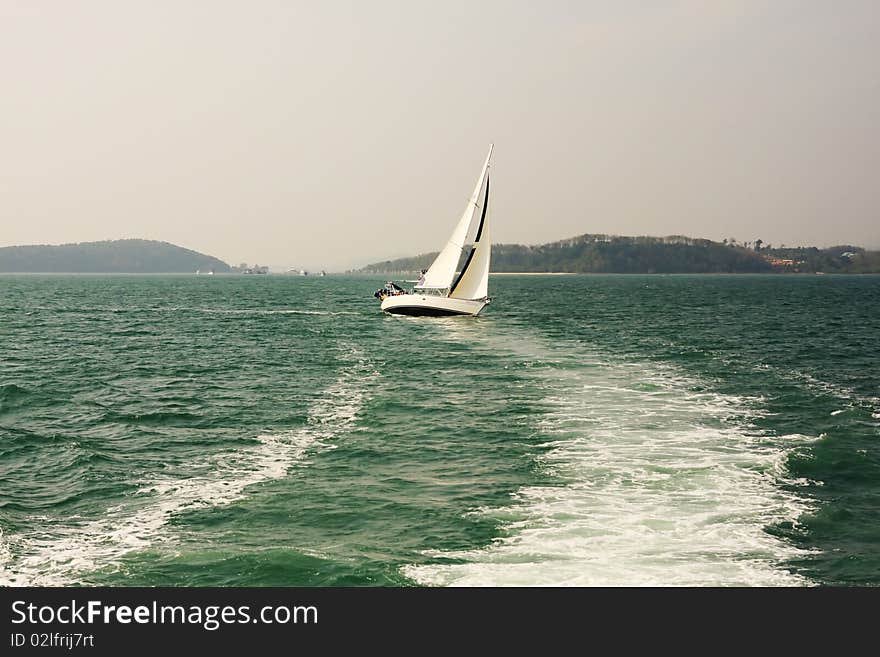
x=442, y=271
x=473, y=282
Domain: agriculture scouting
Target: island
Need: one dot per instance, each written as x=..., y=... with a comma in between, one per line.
x=129, y=256
x=675, y=254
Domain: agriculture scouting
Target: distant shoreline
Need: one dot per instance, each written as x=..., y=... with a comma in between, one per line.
x=606, y=254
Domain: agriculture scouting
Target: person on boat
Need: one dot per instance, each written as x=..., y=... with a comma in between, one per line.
x=391, y=289
x=421, y=281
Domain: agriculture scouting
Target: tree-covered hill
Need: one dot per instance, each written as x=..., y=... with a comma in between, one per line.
x=668, y=255
x=131, y=256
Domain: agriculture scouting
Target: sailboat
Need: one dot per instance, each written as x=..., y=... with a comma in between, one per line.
x=441, y=290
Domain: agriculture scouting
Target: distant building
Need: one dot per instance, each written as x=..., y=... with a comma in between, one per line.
x=782, y=262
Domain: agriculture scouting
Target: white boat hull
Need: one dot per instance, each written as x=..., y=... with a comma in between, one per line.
x=431, y=305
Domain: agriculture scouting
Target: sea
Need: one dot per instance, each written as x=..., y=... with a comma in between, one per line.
x=585, y=430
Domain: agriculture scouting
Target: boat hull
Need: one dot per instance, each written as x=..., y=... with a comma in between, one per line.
x=425, y=305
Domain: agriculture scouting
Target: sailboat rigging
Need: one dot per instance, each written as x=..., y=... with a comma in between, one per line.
x=439, y=291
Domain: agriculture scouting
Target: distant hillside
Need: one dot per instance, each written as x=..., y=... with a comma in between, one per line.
x=648, y=255
x=116, y=256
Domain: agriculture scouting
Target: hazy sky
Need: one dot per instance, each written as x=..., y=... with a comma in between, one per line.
x=333, y=134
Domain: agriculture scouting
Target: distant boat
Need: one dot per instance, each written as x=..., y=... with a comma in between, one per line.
x=439, y=291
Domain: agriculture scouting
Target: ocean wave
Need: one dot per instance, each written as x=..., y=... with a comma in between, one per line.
x=159, y=419
x=65, y=552
x=12, y=395
x=841, y=392
x=256, y=311
x=91, y=311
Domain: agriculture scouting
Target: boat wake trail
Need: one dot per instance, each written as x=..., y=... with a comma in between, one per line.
x=661, y=482
x=63, y=555
x=257, y=311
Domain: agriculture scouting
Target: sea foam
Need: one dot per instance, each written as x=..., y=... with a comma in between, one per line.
x=661, y=482
x=65, y=553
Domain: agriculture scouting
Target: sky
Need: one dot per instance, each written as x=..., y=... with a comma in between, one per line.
x=334, y=134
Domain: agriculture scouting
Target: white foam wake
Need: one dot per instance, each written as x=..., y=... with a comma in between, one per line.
x=258, y=311
x=64, y=554
x=5, y=554
x=209, y=311
x=661, y=483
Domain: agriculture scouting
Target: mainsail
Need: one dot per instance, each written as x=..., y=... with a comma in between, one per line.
x=442, y=271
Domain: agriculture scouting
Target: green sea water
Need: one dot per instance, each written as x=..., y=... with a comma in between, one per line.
x=585, y=430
